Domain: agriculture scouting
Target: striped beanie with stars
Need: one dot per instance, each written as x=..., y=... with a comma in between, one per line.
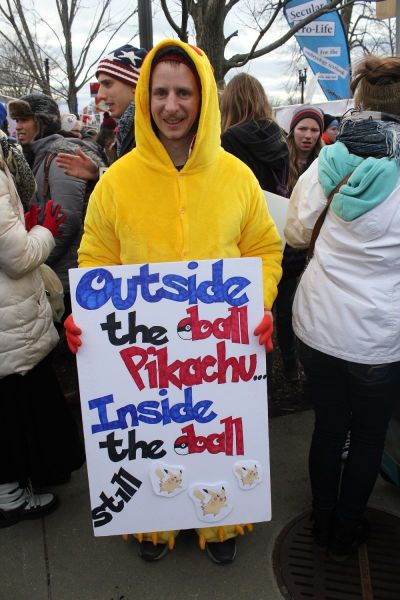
x=123, y=64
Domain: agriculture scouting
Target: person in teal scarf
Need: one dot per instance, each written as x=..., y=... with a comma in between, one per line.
x=346, y=312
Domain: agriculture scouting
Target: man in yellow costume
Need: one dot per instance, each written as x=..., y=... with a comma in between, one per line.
x=179, y=196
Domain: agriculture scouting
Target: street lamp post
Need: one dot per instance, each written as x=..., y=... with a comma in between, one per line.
x=302, y=82
x=398, y=27
x=47, y=70
x=145, y=24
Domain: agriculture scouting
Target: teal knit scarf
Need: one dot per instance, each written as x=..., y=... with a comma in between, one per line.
x=371, y=182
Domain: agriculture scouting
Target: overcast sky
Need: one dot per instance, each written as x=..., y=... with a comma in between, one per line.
x=273, y=70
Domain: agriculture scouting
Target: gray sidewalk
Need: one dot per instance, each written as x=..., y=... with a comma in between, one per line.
x=58, y=558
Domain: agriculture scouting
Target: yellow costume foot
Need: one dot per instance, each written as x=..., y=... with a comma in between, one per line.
x=220, y=534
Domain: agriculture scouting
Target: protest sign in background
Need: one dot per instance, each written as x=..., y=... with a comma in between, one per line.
x=173, y=391
x=324, y=44
x=278, y=208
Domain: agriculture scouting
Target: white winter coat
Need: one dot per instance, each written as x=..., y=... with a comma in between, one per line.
x=27, y=333
x=347, y=303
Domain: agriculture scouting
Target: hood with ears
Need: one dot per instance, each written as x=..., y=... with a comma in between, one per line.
x=207, y=144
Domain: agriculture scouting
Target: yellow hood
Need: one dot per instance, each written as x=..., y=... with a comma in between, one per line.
x=207, y=145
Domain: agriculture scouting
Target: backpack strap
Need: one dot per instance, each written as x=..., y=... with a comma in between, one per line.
x=319, y=222
x=46, y=169
x=281, y=183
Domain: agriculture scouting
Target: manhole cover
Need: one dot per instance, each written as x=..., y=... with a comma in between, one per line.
x=304, y=571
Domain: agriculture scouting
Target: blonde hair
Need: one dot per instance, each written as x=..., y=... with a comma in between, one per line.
x=376, y=84
x=243, y=99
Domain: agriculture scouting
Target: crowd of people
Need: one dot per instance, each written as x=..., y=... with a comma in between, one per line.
x=333, y=289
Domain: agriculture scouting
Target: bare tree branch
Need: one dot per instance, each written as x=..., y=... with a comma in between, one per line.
x=170, y=20
x=232, y=35
x=239, y=60
x=209, y=18
x=229, y=5
x=70, y=70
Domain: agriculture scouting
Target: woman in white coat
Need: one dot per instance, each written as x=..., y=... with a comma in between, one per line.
x=346, y=313
x=39, y=441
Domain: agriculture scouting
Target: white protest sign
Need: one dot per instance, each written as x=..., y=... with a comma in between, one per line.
x=278, y=208
x=173, y=391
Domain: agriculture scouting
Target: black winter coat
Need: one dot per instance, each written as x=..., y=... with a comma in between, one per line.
x=261, y=146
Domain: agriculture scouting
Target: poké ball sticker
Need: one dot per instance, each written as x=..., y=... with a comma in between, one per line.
x=167, y=480
x=248, y=473
x=181, y=445
x=213, y=502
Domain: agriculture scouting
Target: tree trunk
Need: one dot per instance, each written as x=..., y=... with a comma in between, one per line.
x=45, y=86
x=209, y=20
x=346, y=14
x=73, y=100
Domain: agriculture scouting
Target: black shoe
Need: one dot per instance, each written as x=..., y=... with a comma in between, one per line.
x=34, y=506
x=38, y=505
x=222, y=552
x=322, y=526
x=341, y=548
x=151, y=552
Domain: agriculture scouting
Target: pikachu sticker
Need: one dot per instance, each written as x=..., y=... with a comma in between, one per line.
x=212, y=502
x=248, y=473
x=167, y=480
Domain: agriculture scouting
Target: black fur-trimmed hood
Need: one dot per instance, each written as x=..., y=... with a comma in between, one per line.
x=42, y=108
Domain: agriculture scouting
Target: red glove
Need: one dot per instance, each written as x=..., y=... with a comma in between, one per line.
x=265, y=330
x=31, y=217
x=72, y=333
x=52, y=221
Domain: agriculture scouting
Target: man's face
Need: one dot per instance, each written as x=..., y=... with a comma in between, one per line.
x=175, y=102
x=306, y=134
x=115, y=94
x=26, y=128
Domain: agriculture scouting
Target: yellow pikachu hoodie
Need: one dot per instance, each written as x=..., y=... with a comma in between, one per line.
x=144, y=209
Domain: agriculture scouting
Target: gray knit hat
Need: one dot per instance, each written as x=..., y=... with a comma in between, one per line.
x=44, y=110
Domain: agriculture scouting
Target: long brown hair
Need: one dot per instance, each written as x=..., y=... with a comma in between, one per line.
x=295, y=168
x=243, y=99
